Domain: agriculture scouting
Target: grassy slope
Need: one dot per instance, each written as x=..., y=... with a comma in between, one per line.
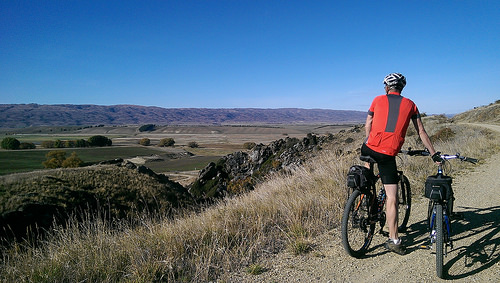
x=284, y=212
x=484, y=114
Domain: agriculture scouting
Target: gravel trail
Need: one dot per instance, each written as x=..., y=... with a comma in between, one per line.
x=475, y=257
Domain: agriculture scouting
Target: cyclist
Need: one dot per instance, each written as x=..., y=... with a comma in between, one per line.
x=386, y=124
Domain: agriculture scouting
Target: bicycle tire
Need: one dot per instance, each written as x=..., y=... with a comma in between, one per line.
x=430, y=207
x=404, y=203
x=439, y=240
x=357, y=232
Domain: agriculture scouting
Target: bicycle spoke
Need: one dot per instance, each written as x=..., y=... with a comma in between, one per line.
x=357, y=231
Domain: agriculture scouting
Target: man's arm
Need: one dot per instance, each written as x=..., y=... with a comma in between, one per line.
x=368, y=125
x=419, y=126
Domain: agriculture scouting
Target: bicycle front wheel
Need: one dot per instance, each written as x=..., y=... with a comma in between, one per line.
x=404, y=203
x=357, y=231
x=439, y=240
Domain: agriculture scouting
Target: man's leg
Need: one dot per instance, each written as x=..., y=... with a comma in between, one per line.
x=391, y=209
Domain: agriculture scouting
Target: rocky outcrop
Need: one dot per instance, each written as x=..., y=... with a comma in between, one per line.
x=241, y=171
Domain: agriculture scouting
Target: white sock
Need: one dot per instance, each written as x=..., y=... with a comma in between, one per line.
x=396, y=241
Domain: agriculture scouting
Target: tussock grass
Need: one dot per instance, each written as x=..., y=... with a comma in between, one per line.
x=285, y=212
x=486, y=114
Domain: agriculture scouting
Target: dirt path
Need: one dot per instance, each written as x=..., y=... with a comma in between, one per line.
x=475, y=257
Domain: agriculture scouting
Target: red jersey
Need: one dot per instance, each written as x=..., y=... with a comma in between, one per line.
x=391, y=116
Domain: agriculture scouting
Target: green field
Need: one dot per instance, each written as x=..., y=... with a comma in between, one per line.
x=184, y=164
x=13, y=161
x=214, y=142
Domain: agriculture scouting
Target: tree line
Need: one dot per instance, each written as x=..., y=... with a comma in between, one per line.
x=98, y=140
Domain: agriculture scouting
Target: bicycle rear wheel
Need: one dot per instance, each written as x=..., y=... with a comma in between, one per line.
x=439, y=240
x=404, y=203
x=357, y=232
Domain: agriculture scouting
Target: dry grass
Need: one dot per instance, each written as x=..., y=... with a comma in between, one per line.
x=285, y=212
x=468, y=141
x=486, y=114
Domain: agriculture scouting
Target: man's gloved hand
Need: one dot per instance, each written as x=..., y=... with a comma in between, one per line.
x=436, y=157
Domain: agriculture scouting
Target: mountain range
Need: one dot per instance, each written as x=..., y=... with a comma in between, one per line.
x=30, y=115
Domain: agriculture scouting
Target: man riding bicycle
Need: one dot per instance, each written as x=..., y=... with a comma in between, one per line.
x=386, y=124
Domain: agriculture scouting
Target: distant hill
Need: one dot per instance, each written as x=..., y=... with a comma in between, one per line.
x=29, y=115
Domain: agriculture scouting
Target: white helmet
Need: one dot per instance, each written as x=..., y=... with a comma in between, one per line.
x=395, y=79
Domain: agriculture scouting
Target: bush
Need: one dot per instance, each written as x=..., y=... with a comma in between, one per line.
x=55, y=159
x=99, y=141
x=444, y=134
x=72, y=162
x=193, y=144
x=58, y=144
x=27, y=145
x=48, y=144
x=249, y=145
x=65, y=143
x=147, y=128
x=145, y=141
x=166, y=142
x=81, y=143
x=10, y=143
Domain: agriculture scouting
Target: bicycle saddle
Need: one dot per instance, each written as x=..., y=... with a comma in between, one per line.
x=367, y=158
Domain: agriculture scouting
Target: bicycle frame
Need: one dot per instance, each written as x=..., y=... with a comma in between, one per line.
x=377, y=201
x=377, y=213
x=440, y=211
x=446, y=212
x=365, y=208
x=447, y=233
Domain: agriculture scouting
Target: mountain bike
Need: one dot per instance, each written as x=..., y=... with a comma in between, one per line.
x=438, y=190
x=365, y=208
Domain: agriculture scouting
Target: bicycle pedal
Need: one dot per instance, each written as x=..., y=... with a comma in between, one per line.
x=425, y=247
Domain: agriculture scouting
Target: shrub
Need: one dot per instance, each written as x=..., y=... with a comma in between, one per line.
x=99, y=141
x=58, y=144
x=48, y=144
x=166, y=142
x=239, y=186
x=55, y=159
x=145, y=141
x=147, y=128
x=249, y=145
x=193, y=144
x=69, y=143
x=10, y=143
x=65, y=143
x=27, y=145
x=444, y=134
x=349, y=140
x=81, y=143
x=72, y=161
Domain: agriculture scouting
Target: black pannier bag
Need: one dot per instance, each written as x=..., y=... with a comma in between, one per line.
x=359, y=177
x=438, y=187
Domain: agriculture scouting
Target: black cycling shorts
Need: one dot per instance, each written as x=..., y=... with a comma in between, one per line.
x=386, y=165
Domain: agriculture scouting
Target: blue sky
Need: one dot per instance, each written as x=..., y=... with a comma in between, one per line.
x=238, y=54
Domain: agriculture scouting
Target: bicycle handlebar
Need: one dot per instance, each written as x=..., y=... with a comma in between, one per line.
x=418, y=152
x=425, y=152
